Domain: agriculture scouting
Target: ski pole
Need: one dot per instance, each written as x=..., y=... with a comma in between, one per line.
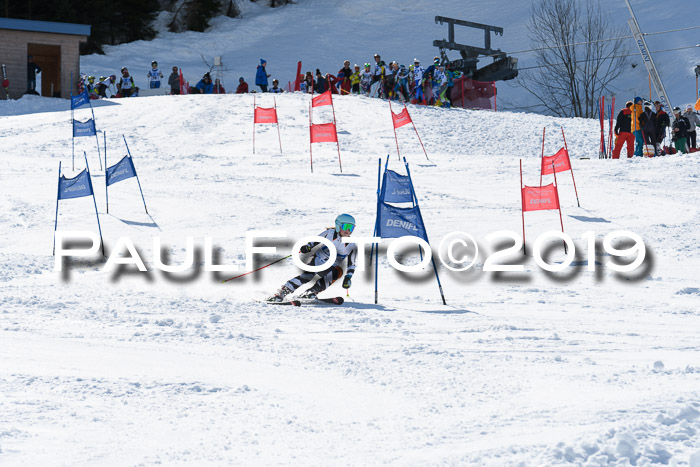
x=250, y=272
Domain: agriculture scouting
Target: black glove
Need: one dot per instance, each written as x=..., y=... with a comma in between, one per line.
x=347, y=282
x=305, y=249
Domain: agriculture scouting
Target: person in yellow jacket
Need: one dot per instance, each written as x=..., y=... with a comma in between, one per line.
x=637, y=127
x=355, y=78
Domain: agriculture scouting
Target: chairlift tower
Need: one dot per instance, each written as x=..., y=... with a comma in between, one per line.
x=503, y=66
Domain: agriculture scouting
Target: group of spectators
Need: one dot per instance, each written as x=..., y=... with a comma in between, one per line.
x=645, y=125
x=431, y=85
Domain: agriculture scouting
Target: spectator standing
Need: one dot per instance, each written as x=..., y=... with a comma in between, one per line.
x=662, y=122
x=647, y=120
x=378, y=75
x=218, y=87
x=402, y=83
x=261, y=75
x=126, y=87
x=636, y=127
x=321, y=83
x=242, y=86
x=174, y=81
x=276, y=87
x=32, y=70
x=694, y=121
x=154, y=76
x=366, y=79
x=418, y=73
x=680, y=130
x=308, y=84
x=623, y=130
x=344, y=78
x=355, y=79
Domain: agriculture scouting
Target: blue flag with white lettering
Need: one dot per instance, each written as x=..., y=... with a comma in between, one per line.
x=396, y=188
x=75, y=187
x=84, y=128
x=398, y=222
x=120, y=171
x=80, y=99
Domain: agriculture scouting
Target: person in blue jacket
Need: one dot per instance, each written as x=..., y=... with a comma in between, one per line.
x=205, y=85
x=261, y=76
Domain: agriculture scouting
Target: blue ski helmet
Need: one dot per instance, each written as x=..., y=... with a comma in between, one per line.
x=344, y=219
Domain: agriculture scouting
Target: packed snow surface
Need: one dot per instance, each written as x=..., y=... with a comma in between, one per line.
x=126, y=367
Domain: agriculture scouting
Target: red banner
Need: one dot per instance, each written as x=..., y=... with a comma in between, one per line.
x=322, y=99
x=299, y=78
x=265, y=115
x=560, y=161
x=323, y=133
x=402, y=118
x=184, y=87
x=539, y=198
x=471, y=94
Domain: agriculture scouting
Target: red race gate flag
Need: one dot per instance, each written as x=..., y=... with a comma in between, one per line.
x=559, y=162
x=323, y=133
x=402, y=118
x=540, y=198
x=322, y=99
x=265, y=115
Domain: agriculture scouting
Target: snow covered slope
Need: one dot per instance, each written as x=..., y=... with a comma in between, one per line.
x=126, y=367
x=323, y=33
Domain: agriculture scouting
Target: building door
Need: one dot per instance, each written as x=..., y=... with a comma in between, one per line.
x=48, y=57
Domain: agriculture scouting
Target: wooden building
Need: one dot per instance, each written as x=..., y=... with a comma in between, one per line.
x=53, y=46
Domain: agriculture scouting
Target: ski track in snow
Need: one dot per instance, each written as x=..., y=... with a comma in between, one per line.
x=130, y=368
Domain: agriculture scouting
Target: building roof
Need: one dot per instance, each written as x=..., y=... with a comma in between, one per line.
x=45, y=26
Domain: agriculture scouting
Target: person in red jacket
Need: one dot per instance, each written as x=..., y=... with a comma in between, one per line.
x=623, y=127
x=242, y=86
x=218, y=87
x=344, y=78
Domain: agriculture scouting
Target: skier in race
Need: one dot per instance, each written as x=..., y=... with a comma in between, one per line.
x=344, y=225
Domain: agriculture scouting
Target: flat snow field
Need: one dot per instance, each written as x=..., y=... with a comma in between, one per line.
x=125, y=367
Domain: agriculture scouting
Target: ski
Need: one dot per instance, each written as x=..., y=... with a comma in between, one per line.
x=310, y=301
x=286, y=302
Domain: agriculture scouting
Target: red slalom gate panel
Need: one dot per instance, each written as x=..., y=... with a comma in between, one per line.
x=559, y=162
x=400, y=119
x=265, y=115
x=322, y=99
x=324, y=133
x=540, y=198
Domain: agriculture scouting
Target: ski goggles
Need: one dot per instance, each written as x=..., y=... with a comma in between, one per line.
x=347, y=226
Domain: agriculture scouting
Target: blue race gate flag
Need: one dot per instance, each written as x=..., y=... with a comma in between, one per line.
x=120, y=171
x=396, y=222
x=396, y=188
x=84, y=129
x=75, y=187
x=80, y=99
